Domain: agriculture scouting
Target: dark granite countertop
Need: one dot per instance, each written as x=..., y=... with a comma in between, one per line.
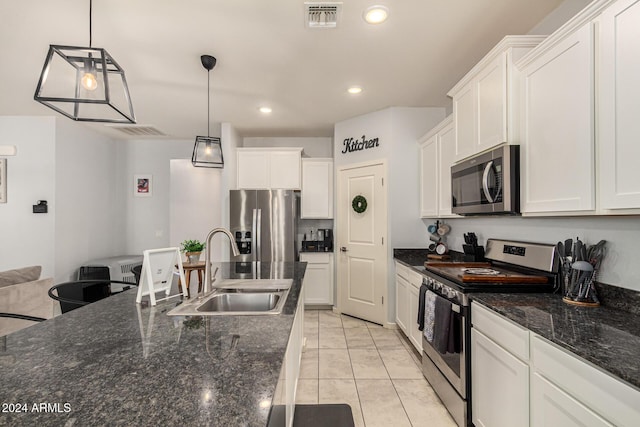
x=116, y=363
x=607, y=336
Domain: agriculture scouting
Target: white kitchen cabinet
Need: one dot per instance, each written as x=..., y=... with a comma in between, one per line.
x=619, y=104
x=293, y=359
x=266, y=168
x=402, y=303
x=437, y=153
x=499, y=370
x=408, y=284
x=429, y=178
x=316, y=197
x=318, y=278
x=446, y=158
x=485, y=101
x=551, y=407
x=614, y=402
x=413, y=333
x=557, y=131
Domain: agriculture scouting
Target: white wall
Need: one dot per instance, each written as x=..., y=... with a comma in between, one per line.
x=313, y=147
x=619, y=268
x=561, y=14
x=195, y=195
x=230, y=141
x=89, y=214
x=398, y=129
x=147, y=218
x=27, y=238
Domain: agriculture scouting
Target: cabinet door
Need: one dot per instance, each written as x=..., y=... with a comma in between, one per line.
x=253, y=170
x=446, y=157
x=619, y=104
x=429, y=178
x=464, y=118
x=491, y=87
x=316, y=197
x=318, y=280
x=414, y=334
x=402, y=302
x=499, y=385
x=285, y=169
x=558, y=144
x=552, y=407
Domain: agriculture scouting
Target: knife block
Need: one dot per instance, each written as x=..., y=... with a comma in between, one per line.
x=473, y=253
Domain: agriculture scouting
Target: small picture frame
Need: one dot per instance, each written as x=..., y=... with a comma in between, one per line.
x=3, y=180
x=142, y=185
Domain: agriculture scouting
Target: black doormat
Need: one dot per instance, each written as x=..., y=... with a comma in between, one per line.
x=327, y=415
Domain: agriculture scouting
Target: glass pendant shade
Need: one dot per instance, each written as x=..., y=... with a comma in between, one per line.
x=207, y=152
x=85, y=84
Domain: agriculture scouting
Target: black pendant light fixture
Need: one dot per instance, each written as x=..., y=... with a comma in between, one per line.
x=85, y=84
x=207, y=152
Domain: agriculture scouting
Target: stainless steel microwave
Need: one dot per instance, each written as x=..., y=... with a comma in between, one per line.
x=488, y=183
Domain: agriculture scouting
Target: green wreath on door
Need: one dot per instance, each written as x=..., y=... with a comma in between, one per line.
x=359, y=204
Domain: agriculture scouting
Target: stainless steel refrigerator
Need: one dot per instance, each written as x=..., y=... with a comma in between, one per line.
x=264, y=224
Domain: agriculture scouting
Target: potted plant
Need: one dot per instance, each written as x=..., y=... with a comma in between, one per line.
x=192, y=249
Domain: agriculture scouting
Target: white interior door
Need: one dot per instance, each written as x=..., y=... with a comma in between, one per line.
x=362, y=253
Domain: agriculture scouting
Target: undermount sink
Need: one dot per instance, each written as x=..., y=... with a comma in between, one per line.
x=225, y=302
x=238, y=297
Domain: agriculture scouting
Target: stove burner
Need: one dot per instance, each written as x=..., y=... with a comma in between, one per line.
x=481, y=271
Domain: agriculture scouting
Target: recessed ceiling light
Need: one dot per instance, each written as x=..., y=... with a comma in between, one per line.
x=354, y=90
x=376, y=14
x=265, y=110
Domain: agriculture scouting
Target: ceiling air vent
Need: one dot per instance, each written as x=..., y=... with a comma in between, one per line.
x=137, y=130
x=322, y=14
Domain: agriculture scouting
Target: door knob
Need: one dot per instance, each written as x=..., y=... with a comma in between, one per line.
x=343, y=249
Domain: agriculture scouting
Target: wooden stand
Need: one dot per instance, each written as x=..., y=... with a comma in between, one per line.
x=580, y=303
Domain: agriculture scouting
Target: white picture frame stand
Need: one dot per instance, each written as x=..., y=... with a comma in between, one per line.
x=158, y=268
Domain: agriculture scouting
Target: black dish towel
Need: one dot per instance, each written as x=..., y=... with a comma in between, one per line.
x=423, y=291
x=442, y=325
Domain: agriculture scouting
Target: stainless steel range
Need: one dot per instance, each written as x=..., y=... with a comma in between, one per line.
x=513, y=267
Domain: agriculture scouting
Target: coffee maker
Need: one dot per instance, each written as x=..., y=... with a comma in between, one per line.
x=327, y=239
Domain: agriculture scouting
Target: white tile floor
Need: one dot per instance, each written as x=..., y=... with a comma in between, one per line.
x=374, y=370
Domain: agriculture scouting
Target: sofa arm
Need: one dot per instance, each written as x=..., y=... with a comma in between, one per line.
x=29, y=298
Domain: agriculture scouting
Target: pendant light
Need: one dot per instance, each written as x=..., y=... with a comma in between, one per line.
x=85, y=84
x=207, y=152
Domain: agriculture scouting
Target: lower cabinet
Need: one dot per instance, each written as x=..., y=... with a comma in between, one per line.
x=520, y=379
x=292, y=361
x=318, y=279
x=553, y=407
x=499, y=378
x=408, y=285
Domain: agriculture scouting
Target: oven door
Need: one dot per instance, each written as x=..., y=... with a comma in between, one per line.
x=452, y=364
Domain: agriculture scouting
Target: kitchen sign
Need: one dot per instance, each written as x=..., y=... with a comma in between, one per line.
x=359, y=144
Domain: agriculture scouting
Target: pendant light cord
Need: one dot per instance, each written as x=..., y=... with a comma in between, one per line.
x=90, y=13
x=208, y=103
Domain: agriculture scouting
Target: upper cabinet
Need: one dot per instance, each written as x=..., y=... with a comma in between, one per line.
x=269, y=168
x=619, y=104
x=316, y=197
x=485, y=100
x=437, y=153
x=557, y=167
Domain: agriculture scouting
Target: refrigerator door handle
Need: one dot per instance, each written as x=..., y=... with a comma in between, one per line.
x=259, y=233
x=254, y=234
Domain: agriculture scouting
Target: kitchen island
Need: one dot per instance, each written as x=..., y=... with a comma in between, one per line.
x=114, y=362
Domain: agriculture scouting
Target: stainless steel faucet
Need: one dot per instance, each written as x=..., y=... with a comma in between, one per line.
x=207, y=254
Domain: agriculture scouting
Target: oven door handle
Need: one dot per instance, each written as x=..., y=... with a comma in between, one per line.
x=485, y=181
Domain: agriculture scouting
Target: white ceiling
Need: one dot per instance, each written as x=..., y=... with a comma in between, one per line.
x=266, y=56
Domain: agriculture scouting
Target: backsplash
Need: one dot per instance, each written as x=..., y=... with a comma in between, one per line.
x=619, y=268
